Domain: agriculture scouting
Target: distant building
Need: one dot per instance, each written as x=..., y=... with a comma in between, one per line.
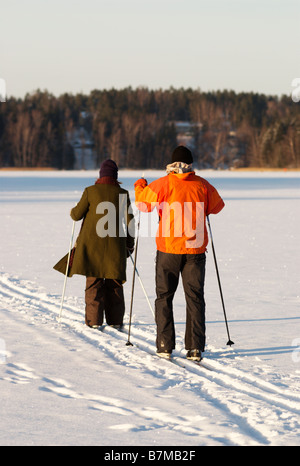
x=186, y=131
x=83, y=147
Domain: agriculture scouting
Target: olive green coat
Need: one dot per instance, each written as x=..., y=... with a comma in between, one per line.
x=106, y=233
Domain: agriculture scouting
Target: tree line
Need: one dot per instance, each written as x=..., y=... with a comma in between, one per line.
x=138, y=128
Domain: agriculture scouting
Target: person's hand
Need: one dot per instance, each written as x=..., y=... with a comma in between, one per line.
x=141, y=182
x=130, y=251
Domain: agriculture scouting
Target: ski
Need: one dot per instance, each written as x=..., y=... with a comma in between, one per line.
x=185, y=363
x=174, y=359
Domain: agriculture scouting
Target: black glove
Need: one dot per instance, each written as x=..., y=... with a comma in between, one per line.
x=129, y=251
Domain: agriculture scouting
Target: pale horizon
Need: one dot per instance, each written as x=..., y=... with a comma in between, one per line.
x=75, y=47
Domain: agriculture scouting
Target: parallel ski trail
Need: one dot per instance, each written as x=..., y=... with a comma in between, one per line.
x=228, y=375
x=247, y=393
x=144, y=338
x=231, y=378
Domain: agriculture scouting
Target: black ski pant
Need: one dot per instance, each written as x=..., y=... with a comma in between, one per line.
x=169, y=267
x=104, y=295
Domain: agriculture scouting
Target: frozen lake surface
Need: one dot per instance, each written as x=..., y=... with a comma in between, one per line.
x=65, y=384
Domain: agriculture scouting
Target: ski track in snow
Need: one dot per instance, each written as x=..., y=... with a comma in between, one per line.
x=261, y=411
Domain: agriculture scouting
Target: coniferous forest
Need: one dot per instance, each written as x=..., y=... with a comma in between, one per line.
x=139, y=128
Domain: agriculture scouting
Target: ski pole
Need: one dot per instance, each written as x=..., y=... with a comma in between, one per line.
x=219, y=281
x=142, y=285
x=133, y=278
x=66, y=274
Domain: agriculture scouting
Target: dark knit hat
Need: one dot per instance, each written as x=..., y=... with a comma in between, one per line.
x=109, y=168
x=182, y=154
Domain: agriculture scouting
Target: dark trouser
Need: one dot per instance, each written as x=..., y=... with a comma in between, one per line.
x=104, y=295
x=168, y=269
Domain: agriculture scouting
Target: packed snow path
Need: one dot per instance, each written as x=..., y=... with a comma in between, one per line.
x=190, y=405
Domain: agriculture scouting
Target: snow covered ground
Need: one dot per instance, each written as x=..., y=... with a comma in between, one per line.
x=65, y=384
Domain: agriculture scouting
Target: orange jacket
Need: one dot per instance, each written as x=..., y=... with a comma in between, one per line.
x=183, y=201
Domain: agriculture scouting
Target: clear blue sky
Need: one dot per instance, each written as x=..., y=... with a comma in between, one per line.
x=80, y=45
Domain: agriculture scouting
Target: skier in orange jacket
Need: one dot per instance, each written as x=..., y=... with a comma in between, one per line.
x=183, y=200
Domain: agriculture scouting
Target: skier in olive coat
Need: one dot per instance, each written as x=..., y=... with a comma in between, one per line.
x=102, y=247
